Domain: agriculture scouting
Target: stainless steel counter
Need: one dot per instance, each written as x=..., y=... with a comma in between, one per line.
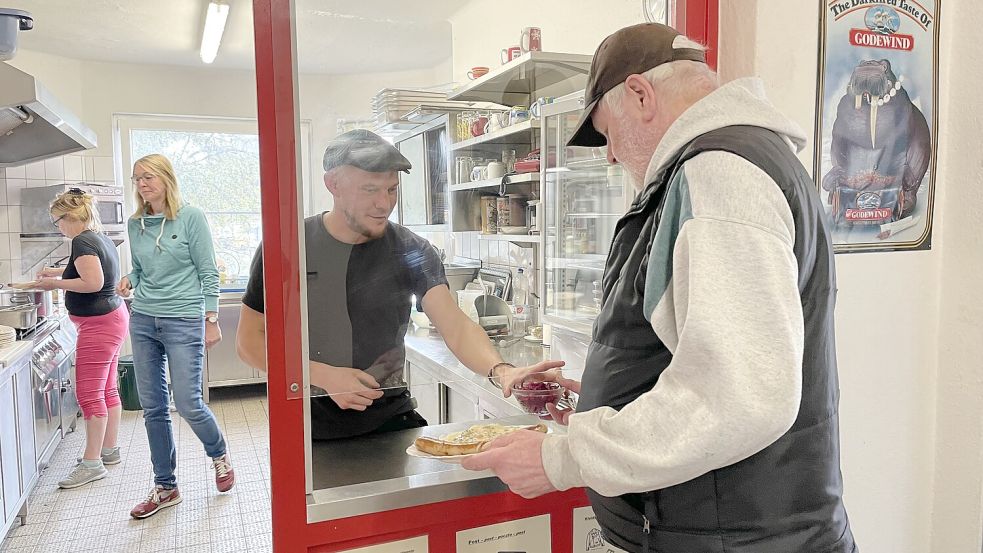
x=428, y=350
x=372, y=474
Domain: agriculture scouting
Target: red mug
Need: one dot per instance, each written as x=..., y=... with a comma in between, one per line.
x=479, y=125
x=477, y=72
x=531, y=39
x=510, y=53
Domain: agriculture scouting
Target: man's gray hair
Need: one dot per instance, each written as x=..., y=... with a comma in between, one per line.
x=688, y=75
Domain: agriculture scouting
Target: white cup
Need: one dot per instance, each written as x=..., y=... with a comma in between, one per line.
x=496, y=170
x=547, y=334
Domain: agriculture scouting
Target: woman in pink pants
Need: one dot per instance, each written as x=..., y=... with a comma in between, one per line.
x=89, y=280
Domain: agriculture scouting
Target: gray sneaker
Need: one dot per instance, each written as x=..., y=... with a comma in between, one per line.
x=111, y=459
x=82, y=475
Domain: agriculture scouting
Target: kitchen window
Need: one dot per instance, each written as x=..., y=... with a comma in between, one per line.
x=216, y=161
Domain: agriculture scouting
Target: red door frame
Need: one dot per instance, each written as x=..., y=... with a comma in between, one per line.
x=699, y=20
x=277, y=117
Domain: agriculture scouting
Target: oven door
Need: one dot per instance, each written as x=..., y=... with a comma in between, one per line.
x=69, y=402
x=47, y=412
x=66, y=336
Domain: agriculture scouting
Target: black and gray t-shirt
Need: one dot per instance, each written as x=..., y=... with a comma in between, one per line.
x=104, y=300
x=358, y=303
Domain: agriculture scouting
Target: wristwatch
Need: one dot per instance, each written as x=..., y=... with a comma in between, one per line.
x=212, y=319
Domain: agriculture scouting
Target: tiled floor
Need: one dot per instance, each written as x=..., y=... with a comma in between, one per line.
x=96, y=517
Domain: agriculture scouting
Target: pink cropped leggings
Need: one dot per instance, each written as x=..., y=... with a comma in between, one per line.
x=99, y=341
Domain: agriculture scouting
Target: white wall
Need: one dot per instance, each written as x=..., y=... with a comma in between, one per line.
x=483, y=27
x=97, y=90
x=326, y=98
x=958, y=490
x=910, y=415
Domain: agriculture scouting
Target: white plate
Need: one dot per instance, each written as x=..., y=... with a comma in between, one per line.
x=452, y=459
x=534, y=340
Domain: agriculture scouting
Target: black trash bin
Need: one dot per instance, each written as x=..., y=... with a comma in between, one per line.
x=128, y=384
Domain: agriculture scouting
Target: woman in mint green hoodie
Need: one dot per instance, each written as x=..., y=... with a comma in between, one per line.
x=174, y=283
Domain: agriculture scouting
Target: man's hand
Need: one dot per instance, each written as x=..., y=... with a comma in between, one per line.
x=508, y=376
x=124, y=287
x=213, y=334
x=517, y=459
x=562, y=416
x=349, y=388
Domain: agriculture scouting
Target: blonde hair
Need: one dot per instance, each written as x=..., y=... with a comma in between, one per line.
x=79, y=206
x=160, y=167
x=693, y=76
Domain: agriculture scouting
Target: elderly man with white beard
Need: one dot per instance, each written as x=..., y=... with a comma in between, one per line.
x=707, y=419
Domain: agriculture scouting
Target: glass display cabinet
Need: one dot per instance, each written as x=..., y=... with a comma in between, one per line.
x=585, y=196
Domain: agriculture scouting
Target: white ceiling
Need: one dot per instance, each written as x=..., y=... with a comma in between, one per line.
x=333, y=36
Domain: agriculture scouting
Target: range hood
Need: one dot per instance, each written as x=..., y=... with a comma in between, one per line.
x=33, y=124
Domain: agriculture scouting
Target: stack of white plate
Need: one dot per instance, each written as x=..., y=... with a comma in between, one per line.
x=391, y=105
x=7, y=336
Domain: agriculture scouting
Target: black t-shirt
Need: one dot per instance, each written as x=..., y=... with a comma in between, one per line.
x=104, y=301
x=358, y=304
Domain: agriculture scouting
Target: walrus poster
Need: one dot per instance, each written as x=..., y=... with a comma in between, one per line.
x=876, y=122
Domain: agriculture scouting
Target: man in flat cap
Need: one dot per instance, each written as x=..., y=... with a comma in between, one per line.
x=707, y=419
x=362, y=270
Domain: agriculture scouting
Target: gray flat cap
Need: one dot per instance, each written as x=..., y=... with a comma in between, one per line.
x=365, y=150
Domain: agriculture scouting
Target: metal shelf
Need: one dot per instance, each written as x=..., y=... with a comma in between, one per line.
x=574, y=264
x=500, y=136
x=517, y=238
x=591, y=215
x=516, y=82
x=594, y=163
x=582, y=258
x=520, y=178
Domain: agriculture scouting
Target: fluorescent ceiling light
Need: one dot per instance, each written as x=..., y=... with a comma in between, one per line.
x=211, y=37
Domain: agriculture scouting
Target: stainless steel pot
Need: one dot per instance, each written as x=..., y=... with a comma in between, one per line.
x=20, y=317
x=10, y=297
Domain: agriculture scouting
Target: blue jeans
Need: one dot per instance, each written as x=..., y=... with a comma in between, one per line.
x=181, y=341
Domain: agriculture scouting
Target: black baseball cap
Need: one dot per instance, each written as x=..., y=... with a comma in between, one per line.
x=365, y=150
x=629, y=51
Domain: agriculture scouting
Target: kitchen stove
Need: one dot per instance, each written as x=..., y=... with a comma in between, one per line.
x=44, y=326
x=55, y=405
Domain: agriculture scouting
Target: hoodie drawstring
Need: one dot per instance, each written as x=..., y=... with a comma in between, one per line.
x=159, y=235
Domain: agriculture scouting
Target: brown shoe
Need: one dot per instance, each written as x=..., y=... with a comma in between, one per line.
x=225, y=477
x=158, y=499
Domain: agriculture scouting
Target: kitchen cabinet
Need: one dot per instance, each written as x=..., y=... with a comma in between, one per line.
x=222, y=364
x=427, y=392
x=18, y=465
x=461, y=406
x=24, y=393
x=585, y=196
x=9, y=469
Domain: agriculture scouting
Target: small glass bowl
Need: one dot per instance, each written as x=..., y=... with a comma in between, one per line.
x=534, y=395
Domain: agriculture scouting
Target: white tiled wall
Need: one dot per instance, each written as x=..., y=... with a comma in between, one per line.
x=70, y=168
x=491, y=253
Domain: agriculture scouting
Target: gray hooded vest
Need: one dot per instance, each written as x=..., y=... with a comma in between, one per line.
x=786, y=498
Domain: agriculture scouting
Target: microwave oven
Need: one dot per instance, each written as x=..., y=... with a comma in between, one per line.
x=35, y=204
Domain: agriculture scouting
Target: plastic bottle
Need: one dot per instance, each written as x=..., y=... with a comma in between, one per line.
x=520, y=299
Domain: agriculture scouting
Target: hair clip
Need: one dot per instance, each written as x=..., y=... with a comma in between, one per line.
x=76, y=192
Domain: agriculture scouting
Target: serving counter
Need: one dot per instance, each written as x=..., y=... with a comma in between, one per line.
x=374, y=495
